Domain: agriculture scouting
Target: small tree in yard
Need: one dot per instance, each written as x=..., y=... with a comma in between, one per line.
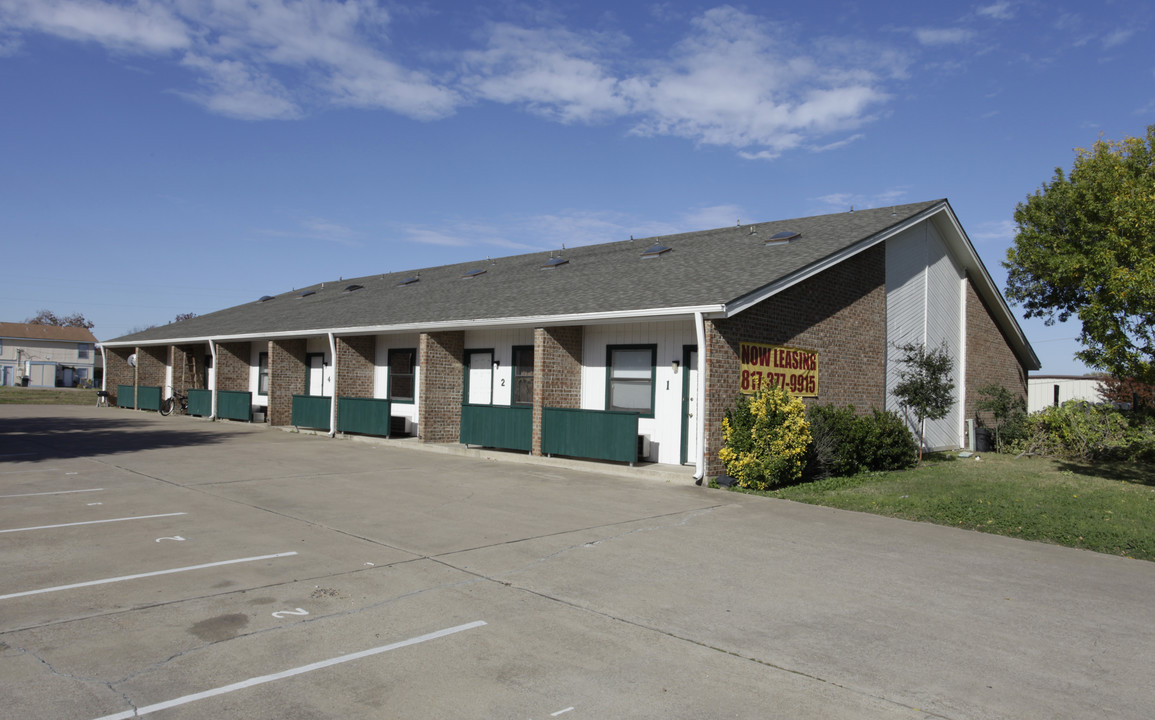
x=1003, y=405
x=924, y=387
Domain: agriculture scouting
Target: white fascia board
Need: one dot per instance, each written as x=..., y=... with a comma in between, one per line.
x=749, y=301
x=985, y=284
x=447, y=325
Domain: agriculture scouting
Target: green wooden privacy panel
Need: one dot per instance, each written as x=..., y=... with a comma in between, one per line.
x=237, y=405
x=509, y=428
x=599, y=434
x=311, y=411
x=148, y=398
x=368, y=416
x=200, y=402
x=125, y=396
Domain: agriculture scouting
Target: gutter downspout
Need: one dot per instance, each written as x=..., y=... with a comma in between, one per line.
x=699, y=415
x=213, y=350
x=333, y=398
x=103, y=375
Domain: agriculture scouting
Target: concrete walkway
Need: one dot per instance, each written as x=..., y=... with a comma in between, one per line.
x=558, y=591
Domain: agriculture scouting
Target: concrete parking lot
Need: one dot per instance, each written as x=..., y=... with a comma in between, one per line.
x=178, y=568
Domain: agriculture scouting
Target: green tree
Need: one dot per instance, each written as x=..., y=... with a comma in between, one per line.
x=1003, y=405
x=1085, y=247
x=924, y=386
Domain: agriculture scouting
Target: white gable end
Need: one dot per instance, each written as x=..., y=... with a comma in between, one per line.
x=925, y=303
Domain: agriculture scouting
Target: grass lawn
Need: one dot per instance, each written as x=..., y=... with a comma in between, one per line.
x=46, y=396
x=1105, y=507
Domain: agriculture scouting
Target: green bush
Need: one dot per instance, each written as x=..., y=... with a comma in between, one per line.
x=845, y=443
x=837, y=442
x=765, y=438
x=1076, y=430
x=889, y=444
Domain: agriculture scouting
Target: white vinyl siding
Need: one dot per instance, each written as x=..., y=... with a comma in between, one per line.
x=665, y=427
x=925, y=304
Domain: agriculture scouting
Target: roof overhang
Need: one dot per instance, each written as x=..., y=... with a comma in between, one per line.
x=531, y=321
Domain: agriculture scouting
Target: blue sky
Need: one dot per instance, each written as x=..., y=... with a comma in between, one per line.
x=168, y=156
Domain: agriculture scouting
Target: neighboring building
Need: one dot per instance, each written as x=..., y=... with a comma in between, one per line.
x=609, y=350
x=47, y=355
x=1044, y=390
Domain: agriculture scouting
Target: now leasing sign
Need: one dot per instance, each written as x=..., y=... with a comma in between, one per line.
x=792, y=369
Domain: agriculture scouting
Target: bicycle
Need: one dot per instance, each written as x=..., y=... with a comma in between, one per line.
x=175, y=402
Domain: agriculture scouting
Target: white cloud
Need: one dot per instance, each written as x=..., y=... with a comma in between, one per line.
x=839, y=143
x=318, y=229
x=733, y=80
x=997, y=11
x=942, y=36
x=255, y=59
x=552, y=72
x=1118, y=37
x=426, y=236
x=143, y=26
x=741, y=82
x=235, y=89
x=997, y=231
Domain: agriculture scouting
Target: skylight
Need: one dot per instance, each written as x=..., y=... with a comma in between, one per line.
x=473, y=273
x=306, y=293
x=783, y=237
x=409, y=280
x=351, y=288
x=265, y=298
x=554, y=262
x=655, y=250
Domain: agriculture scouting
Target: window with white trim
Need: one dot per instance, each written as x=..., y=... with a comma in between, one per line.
x=630, y=378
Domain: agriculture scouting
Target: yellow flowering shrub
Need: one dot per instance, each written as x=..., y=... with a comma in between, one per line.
x=764, y=439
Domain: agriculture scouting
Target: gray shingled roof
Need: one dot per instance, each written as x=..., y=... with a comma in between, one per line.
x=711, y=267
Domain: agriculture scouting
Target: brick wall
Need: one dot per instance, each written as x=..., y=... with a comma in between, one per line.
x=557, y=381
x=356, y=357
x=233, y=361
x=442, y=360
x=840, y=313
x=286, y=378
x=151, y=364
x=989, y=358
x=117, y=371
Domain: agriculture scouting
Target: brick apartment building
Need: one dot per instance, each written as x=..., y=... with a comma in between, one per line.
x=621, y=351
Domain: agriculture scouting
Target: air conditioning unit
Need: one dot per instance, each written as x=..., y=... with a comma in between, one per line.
x=644, y=447
x=400, y=426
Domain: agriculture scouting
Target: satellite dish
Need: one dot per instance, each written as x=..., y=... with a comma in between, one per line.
x=132, y=360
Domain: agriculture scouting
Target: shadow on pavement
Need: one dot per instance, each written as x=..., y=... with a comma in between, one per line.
x=40, y=438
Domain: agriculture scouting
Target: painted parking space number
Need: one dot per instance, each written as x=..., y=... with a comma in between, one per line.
x=282, y=613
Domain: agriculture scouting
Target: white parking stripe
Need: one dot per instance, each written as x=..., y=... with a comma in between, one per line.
x=92, y=522
x=148, y=709
x=57, y=492
x=143, y=575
